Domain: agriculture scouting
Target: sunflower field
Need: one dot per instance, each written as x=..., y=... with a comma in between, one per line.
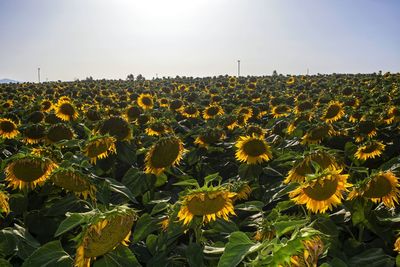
x=221, y=171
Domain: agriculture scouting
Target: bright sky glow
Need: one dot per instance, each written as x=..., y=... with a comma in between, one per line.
x=71, y=39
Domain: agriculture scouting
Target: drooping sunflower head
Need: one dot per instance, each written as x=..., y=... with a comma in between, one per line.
x=333, y=112
x=28, y=171
x=254, y=129
x=381, y=187
x=366, y=128
x=176, y=105
x=145, y=101
x=206, y=203
x=317, y=134
x=74, y=181
x=242, y=190
x=313, y=249
x=371, y=149
x=103, y=233
x=34, y=133
x=132, y=113
x=252, y=149
x=59, y=132
x=157, y=128
x=4, y=205
x=321, y=193
x=305, y=166
x=281, y=110
x=117, y=127
x=8, y=128
x=166, y=152
x=209, y=137
x=66, y=111
x=99, y=147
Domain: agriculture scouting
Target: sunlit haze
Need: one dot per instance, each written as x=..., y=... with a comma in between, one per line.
x=74, y=39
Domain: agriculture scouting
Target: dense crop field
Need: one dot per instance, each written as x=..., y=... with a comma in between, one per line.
x=220, y=171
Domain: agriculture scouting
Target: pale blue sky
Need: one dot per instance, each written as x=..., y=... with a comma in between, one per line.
x=72, y=39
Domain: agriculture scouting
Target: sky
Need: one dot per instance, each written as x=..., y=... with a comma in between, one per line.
x=75, y=39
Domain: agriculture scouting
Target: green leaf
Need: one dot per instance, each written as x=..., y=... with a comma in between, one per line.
x=72, y=220
x=144, y=226
x=51, y=254
x=284, y=227
x=161, y=180
x=209, y=178
x=120, y=257
x=188, y=182
x=374, y=257
x=4, y=263
x=138, y=182
x=120, y=188
x=236, y=249
x=8, y=242
x=194, y=255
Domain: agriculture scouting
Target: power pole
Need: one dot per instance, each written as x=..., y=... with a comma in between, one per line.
x=38, y=73
x=238, y=68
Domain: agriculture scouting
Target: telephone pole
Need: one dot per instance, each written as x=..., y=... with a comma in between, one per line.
x=238, y=68
x=38, y=73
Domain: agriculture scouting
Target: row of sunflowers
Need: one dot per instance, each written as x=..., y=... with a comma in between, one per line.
x=217, y=171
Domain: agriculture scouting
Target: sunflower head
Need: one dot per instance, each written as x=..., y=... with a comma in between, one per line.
x=333, y=112
x=281, y=110
x=35, y=133
x=8, y=128
x=381, y=187
x=4, y=206
x=66, y=111
x=242, y=190
x=212, y=112
x=157, y=128
x=166, y=152
x=59, y=132
x=308, y=164
x=28, y=171
x=252, y=149
x=317, y=134
x=209, y=137
x=371, y=149
x=103, y=233
x=321, y=191
x=132, y=113
x=176, y=105
x=207, y=203
x=46, y=105
x=145, y=101
x=117, y=127
x=73, y=181
x=190, y=112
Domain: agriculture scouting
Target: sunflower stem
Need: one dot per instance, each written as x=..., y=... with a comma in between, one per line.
x=198, y=233
x=361, y=233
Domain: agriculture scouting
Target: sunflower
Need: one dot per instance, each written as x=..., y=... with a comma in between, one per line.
x=165, y=223
x=255, y=130
x=242, y=190
x=164, y=102
x=313, y=249
x=382, y=187
x=59, y=132
x=117, y=127
x=212, y=112
x=252, y=149
x=317, y=134
x=4, y=206
x=46, y=105
x=365, y=128
x=291, y=80
x=246, y=112
x=190, y=112
x=397, y=245
x=306, y=165
x=209, y=137
x=321, y=193
x=28, y=171
x=132, y=113
x=333, y=112
x=99, y=147
x=281, y=110
x=176, y=105
x=206, y=203
x=166, y=152
x=157, y=128
x=303, y=106
x=73, y=181
x=8, y=128
x=304, y=117
x=371, y=150
x=34, y=134
x=105, y=232
x=145, y=101
x=66, y=111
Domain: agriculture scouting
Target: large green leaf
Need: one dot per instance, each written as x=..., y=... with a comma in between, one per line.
x=120, y=257
x=236, y=249
x=144, y=226
x=374, y=257
x=51, y=254
x=194, y=255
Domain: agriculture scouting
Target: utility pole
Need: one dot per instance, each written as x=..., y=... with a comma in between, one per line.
x=38, y=73
x=238, y=68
